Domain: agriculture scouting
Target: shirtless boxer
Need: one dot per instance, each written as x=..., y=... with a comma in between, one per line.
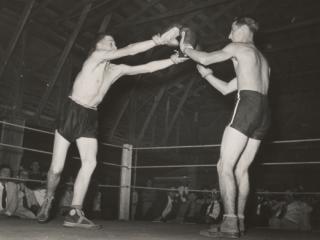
x=78, y=120
x=249, y=121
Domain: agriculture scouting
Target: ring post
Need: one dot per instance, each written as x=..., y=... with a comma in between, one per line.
x=124, y=204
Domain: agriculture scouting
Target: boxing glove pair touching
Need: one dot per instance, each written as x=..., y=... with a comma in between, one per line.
x=187, y=40
x=169, y=37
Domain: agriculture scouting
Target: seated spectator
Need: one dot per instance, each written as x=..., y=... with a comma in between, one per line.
x=262, y=212
x=166, y=206
x=38, y=188
x=66, y=198
x=182, y=199
x=8, y=192
x=214, y=211
x=148, y=197
x=204, y=202
x=134, y=203
x=296, y=215
x=193, y=208
x=27, y=203
x=96, y=205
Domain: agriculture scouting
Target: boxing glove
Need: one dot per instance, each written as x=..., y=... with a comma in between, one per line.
x=188, y=39
x=169, y=36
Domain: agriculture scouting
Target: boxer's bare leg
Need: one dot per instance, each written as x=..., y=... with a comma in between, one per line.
x=60, y=149
x=242, y=178
x=232, y=145
x=88, y=151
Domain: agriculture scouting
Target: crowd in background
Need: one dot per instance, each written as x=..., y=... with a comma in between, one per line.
x=292, y=210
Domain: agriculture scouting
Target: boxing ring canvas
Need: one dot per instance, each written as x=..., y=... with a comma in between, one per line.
x=18, y=229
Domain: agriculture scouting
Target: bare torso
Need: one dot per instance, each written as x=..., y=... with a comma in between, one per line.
x=251, y=68
x=93, y=82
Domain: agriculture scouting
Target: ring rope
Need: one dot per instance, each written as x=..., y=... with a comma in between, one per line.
x=290, y=163
x=112, y=186
x=166, y=147
x=218, y=145
x=113, y=145
x=13, y=179
x=178, y=166
x=210, y=191
x=214, y=165
x=161, y=189
x=115, y=165
x=25, y=148
x=170, y=189
x=177, y=147
x=22, y=180
x=25, y=127
x=51, y=133
x=106, y=163
x=163, y=166
x=286, y=193
x=50, y=153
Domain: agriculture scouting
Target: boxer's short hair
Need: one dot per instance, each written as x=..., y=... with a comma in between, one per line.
x=252, y=24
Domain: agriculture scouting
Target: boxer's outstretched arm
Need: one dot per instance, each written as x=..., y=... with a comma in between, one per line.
x=151, y=66
x=222, y=86
x=168, y=37
x=207, y=58
x=129, y=50
x=146, y=68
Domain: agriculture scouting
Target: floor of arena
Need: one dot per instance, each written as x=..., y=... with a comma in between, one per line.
x=18, y=229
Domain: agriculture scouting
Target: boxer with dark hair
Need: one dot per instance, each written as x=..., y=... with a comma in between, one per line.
x=78, y=120
x=249, y=122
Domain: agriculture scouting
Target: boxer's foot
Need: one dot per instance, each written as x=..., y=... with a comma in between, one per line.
x=228, y=229
x=75, y=218
x=44, y=213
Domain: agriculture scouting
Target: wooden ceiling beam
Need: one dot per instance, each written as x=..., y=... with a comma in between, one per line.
x=292, y=26
x=21, y=24
x=109, y=10
x=137, y=14
x=62, y=59
x=178, y=110
x=174, y=13
x=76, y=10
x=147, y=121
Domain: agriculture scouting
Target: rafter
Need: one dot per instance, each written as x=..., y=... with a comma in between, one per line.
x=62, y=59
x=175, y=13
x=22, y=22
x=178, y=110
x=155, y=105
x=137, y=14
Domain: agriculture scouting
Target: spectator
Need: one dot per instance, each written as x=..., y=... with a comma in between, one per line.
x=214, y=210
x=27, y=203
x=36, y=174
x=193, y=208
x=96, y=205
x=66, y=198
x=134, y=203
x=296, y=215
x=262, y=212
x=148, y=197
x=166, y=206
x=8, y=192
x=183, y=204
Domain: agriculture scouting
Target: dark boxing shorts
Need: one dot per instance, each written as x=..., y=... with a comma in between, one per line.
x=77, y=121
x=251, y=115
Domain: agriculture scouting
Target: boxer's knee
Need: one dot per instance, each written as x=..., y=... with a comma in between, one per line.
x=89, y=163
